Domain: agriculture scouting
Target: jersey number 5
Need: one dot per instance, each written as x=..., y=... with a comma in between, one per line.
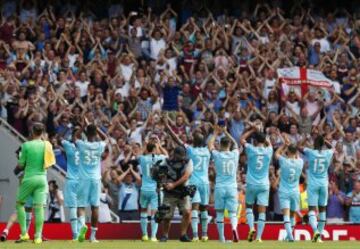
x=90, y=157
x=259, y=162
x=319, y=165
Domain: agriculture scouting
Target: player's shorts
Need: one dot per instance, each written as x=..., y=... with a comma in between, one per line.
x=226, y=198
x=317, y=196
x=29, y=202
x=183, y=204
x=35, y=187
x=258, y=193
x=88, y=194
x=202, y=194
x=70, y=193
x=149, y=198
x=289, y=200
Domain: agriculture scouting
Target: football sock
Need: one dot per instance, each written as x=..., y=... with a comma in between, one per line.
x=220, y=225
x=81, y=222
x=20, y=209
x=154, y=227
x=233, y=220
x=250, y=218
x=143, y=223
x=204, y=222
x=288, y=229
x=322, y=221
x=73, y=222
x=195, y=223
x=261, y=225
x=313, y=221
x=93, y=233
x=39, y=221
x=293, y=222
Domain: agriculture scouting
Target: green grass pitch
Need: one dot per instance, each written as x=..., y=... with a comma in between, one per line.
x=119, y=244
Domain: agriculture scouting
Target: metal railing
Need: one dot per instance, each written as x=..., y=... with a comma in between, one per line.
x=56, y=167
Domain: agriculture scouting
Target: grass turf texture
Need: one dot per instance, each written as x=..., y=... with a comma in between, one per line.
x=177, y=245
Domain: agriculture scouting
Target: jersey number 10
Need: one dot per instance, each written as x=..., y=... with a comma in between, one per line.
x=228, y=168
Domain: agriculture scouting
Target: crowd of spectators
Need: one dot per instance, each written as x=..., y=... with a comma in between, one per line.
x=123, y=70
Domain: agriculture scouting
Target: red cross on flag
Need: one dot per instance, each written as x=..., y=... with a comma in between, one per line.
x=302, y=79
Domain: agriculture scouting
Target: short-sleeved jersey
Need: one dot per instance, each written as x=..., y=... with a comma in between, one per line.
x=32, y=158
x=290, y=172
x=201, y=159
x=90, y=158
x=146, y=163
x=258, y=163
x=226, y=165
x=319, y=163
x=72, y=160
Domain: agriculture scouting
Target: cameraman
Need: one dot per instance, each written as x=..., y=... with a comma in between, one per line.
x=180, y=169
x=56, y=203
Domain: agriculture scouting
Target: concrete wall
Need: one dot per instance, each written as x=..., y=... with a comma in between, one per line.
x=9, y=143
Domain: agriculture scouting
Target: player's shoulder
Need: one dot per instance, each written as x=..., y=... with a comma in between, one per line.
x=235, y=152
x=161, y=157
x=248, y=146
x=80, y=142
x=215, y=153
x=65, y=142
x=330, y=151
x=102, y=144
x=308, y=150
x=282, y=159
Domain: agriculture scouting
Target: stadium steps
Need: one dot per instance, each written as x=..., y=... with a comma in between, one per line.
x=10, y=140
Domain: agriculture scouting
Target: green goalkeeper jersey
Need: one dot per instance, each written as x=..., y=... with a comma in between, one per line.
x=32, y=158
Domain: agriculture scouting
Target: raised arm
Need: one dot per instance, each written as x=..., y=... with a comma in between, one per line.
x=280, y=151
x=161, y=149
x=232, y=139
x=246, y=135
x=211, y=143
x=172, y=133
x=135, y=175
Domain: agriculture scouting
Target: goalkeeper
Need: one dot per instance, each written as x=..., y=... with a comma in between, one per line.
x=35, y=156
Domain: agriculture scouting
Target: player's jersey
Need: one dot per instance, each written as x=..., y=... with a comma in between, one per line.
x=31, y=158
x=290, y=172
x=146, y=162
x=90, y=158
x=226, y=165
x=72, y=160
x=201, y=159
x=319, y=162
x=258, y=163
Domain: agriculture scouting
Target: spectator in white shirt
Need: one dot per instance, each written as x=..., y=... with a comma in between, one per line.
x=82, y=84
x=104, y=210
x=324, y=43
x=157, y=43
